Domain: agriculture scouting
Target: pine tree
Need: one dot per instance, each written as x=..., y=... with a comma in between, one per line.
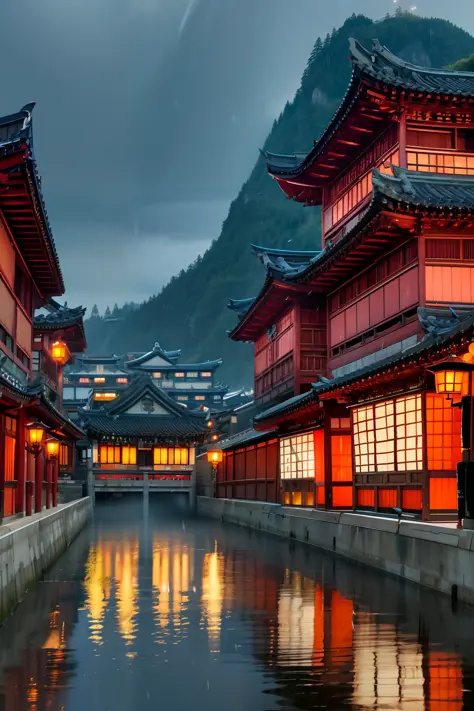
x=95, y=311
x=399, y=11
x=116, y=311
x=107, y=313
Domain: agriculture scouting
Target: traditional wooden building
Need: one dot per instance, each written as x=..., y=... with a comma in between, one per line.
x=143, y=430
x=351, y=331
x=33, y=349
x=102, y=378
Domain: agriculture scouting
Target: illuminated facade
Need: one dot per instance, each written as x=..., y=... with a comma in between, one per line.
x=144, y=430
x=37, y=335
x=345, y=336
x=102, y=378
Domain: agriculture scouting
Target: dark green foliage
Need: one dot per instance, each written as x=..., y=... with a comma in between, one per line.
x=190, y=312
x=464, y=65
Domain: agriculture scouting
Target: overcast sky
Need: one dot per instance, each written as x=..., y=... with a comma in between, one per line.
x=149, y=117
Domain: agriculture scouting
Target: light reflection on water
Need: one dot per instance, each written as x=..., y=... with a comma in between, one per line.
x=204, y=616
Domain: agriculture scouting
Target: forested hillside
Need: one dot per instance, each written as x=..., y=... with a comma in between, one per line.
x=190, y=312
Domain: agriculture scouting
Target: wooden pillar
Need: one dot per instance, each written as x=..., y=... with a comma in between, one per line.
x=39, y=475
x=20, y=462
x=327, y=458
x=49, y=482
x=402, y=139
x=2, y=464
x=55, y=475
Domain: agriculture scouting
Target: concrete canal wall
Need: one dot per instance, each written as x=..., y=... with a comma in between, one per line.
x=28, y=546
x=435, y=556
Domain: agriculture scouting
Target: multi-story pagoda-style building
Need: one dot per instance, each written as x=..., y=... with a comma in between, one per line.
x=99, y=379
x=345, y=337
x=34, y=346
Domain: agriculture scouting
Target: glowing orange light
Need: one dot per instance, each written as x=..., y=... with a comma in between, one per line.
x=210, y=424
x=59, y=352
x=471, y=349
x=215, y=437
x=214, y=456
x=36, y=432
x=452, y=377
x=52, y=448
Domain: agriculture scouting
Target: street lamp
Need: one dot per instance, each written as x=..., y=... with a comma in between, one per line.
x=52, y=449
x=36, y=432
x=214, y=457
x=60, y=352
x=453, y=377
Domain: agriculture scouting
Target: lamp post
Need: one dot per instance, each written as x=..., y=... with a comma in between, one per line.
x=214, y=457
x=60, y=353
x=453, y=378
x=52, y=449
x=36, y=432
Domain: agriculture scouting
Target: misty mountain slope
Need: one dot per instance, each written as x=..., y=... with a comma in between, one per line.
x=190, y=312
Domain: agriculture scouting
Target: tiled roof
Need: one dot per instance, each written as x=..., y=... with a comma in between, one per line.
x=384, y=66
x=240, y=306
x=167, y=427
x=379, y=64
x=240, y=439
x=285, y=262
x=112, y=417
x=463, y=324
x=437, y=190
x=16, y=132
x=157, y=350
x=63, y=317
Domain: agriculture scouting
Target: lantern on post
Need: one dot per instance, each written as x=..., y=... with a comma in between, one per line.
x=214, y=457
x=452, y=377
x=60, y=352
x=36, y=432
x=52, y=448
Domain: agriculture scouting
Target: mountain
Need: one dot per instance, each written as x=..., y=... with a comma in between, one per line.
x=190, y=312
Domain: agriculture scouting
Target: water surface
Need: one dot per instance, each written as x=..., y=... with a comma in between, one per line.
x=188, y=615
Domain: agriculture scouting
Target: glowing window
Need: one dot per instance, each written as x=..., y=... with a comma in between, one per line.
x=199, y=397
x=297, y=457
x=84, y=380
x=206, y=375
x=157, y=375
x=113, y=454
x=160, y=455
x=443, y=433
x=341, y=455
x=179, y=375
x=182, y=398
x=409, y=433
x=388, y=431
x=429, y=162
x=181, y=456
x=122, y=381
x=99, y=380
x=99, y=368
x=105, y=396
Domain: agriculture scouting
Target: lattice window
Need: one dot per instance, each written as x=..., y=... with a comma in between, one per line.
x=384, y=437
x=409, y=433
x=297, y=457
x=443, y=431
x=364, y=439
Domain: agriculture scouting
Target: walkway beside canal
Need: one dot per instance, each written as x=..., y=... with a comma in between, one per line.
x=439, y=557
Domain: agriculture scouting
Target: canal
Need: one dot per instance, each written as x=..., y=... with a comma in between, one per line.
x=173, y=614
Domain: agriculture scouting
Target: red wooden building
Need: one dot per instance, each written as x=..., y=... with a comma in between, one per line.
x=33, y=349
x=348, y=332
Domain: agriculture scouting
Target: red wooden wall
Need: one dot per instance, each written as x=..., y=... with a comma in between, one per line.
x=250, y=473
